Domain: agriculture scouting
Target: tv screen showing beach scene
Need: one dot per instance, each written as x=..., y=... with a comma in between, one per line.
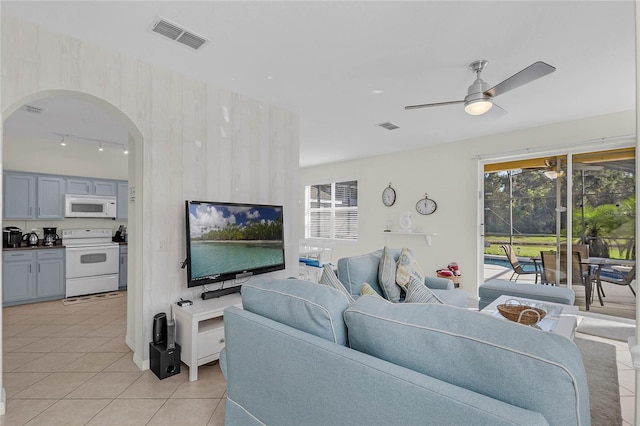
x=226, y=241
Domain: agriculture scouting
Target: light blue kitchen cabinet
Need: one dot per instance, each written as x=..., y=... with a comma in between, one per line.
x=50, y=198
x=123, y=200
x=50, y=273
x=124, y=266
x=104, y=187
x=78, y=186
x=19, y=196
x=32, y=276
x=18, y=277
x=28, y=196
x=91, y=186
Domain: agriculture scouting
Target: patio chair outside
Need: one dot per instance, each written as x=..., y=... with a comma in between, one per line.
x=579, y=272
x=515, y=264
x=627, y=280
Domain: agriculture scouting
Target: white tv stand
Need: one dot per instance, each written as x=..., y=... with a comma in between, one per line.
x=200, y=330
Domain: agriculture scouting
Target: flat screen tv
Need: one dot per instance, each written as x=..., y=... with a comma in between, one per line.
x=228, y=241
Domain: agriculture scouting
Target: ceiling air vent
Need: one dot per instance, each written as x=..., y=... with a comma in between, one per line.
x=32, y=109
x=388, y=125
x=176, y=33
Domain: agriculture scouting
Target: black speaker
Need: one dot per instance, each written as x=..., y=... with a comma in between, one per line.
x=160, y=328
x=164, y=362
x=171, y=335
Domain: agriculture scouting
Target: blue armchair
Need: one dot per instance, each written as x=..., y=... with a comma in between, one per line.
x=355, y=270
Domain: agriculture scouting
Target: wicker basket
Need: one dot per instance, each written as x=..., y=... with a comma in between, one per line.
x=522, y=314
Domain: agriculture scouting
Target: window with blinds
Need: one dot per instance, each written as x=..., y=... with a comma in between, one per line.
x=331, y=211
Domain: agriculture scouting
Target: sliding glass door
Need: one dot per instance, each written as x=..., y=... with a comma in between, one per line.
x=535, y=206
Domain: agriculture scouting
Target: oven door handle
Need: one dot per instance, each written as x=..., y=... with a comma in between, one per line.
x=91, y=248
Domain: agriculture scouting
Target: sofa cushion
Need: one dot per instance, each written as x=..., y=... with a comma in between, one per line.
x=478, y=352
x=306, y=306
x=355, y=270
x=387, y=276
x=408, y=268
x=329, y=278
x=420, y=293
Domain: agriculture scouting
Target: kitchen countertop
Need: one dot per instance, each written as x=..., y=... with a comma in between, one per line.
x=33, y=248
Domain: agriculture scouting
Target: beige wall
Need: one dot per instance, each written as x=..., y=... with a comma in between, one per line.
x=450, y=174
x=189, y=140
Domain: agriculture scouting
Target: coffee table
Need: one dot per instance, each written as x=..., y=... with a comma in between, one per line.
x=560, y=319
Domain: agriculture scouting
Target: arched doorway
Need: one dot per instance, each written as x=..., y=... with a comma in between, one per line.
x=135, y=140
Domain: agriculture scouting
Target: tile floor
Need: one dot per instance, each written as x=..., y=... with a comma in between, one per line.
x=69, y=365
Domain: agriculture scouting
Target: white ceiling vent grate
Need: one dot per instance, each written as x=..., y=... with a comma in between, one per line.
x=32, y=109
x=388, y=125
x=176, y=33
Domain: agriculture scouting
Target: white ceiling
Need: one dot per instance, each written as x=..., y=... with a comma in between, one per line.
x=323, y=60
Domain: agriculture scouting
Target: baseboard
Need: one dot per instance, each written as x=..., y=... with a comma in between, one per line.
x=129, y=342
x=142, y=364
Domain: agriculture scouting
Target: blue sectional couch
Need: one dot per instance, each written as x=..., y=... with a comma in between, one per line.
x=355, y=270
x=299, y=354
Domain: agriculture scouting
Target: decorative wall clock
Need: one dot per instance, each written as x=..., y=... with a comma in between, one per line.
x=426, y=205
x=388, y=196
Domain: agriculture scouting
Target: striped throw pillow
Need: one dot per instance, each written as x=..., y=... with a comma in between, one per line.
x=420, y=293
x=330, y=279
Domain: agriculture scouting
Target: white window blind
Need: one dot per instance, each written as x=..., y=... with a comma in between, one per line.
x=331, y=211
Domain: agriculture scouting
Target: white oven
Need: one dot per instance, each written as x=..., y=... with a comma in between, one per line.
x=90, y=206
x=92, y=261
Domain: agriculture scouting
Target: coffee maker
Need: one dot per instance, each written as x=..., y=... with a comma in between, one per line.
x=50, y=236
x=11, y=237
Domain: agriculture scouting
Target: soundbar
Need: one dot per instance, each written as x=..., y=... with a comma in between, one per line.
x=218, y=293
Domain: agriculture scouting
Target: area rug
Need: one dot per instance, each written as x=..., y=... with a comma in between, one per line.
x=602, y=377
x=607, y=329
x=91, y=298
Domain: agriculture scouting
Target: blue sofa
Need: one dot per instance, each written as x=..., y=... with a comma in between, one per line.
x=355, y=270
x=299, y=354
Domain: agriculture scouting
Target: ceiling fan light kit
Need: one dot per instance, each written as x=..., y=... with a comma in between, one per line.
x=477, y=107
x=554, y=174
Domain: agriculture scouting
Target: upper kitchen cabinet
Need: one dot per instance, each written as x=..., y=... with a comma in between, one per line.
x=123, y=200
x=19, y=196
x=91, y=187
x=28, y=196
x=50, y=198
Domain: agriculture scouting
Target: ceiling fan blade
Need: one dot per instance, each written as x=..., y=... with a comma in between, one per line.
x=527, y=75
x=435, y=104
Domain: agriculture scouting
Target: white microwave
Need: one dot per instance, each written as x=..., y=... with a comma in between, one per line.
x=89, y=206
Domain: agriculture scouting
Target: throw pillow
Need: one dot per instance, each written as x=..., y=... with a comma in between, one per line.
x=420, y=293
x=330, y=279
x=408, y=268
x=367, y=290
x=387, y=276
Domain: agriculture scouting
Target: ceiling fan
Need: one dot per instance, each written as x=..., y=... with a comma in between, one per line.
x=479, y=99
